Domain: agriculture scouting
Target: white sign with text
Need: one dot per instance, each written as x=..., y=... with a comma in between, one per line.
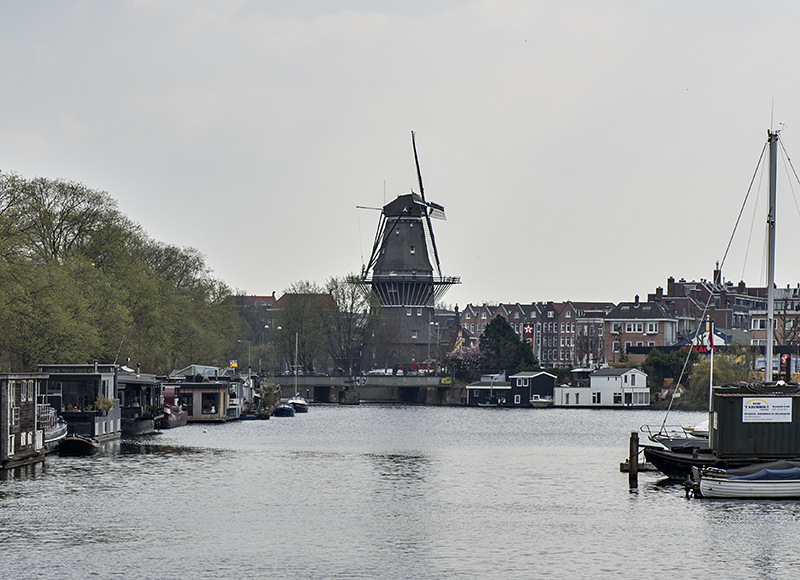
x=767, y=410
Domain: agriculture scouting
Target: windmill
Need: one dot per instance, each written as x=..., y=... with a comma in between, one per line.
x=404, y=267
x=404, y=270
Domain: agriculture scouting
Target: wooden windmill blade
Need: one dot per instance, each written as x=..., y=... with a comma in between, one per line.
x=428, y=206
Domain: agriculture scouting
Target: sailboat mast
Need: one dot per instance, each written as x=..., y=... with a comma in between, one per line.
x=773, y=164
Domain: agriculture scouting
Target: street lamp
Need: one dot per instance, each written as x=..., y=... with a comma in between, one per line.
x=248, y=356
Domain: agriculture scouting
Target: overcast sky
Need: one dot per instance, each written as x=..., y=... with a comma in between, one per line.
x=582, y=150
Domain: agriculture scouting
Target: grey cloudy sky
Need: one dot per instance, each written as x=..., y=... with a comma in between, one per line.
x=582, y=150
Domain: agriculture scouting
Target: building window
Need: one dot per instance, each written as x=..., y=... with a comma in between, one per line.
x=466, y=316
x=652, y=327
x=596, y=398
x=627, y=344
x=617, y=398
x=516, y=315
x=639, y=343
x=651, y=343
x=483, y=316
x=413, y=250
x=639, y=327
x=615, y=346
x=419, y=311
x=567, y=314
x=414, y=334
x=629, y=327
x=408, y=312
x=550, y=314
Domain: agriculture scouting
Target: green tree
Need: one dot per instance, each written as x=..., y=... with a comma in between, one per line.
x=503, y=350
x=660, y=366
x=725, y=371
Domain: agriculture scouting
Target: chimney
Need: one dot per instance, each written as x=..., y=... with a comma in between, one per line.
x=670, y=286
x=636, y=300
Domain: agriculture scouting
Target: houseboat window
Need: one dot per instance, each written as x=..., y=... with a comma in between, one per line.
x=617, y=398
x=516, y=399
x=210, y=403
x=186, y=400
x=577, y=398
x=596, y=398
x=475, y=393
x=566, y=398
x=633, y=380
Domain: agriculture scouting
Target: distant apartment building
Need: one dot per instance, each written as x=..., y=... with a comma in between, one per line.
x=728, y=305
x=648, y=324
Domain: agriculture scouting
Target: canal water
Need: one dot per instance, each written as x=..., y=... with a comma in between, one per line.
x=390, y=492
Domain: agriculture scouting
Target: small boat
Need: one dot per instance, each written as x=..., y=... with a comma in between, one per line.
x=173, y=416
x=299, y=403
x=773, y=480
x=74, y=445
x=283, y=410
x=541, y=402
x=54, y=434
x=262, y=414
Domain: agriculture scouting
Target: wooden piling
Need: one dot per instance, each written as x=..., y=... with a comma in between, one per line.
x=633, y=461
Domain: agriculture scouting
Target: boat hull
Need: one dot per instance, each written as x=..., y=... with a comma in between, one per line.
x=299, y=403
x=736, y=488
x=283, y=410
x=173, y=417
x=78, y=446
x=678, y=465
x=132, y=426
x=54, y=436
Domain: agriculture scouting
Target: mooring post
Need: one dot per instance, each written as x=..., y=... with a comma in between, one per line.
x=633, y=461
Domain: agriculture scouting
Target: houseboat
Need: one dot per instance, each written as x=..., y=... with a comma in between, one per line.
x=608, y=387
x=533, y=389
x=204, y=400
x=21, y=434
x=141, y=399
x=86, y=397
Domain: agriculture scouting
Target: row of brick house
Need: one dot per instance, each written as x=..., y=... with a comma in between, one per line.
x=586, y=334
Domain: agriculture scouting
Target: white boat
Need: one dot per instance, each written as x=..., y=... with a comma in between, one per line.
x=775, y=480
x=541, y=402
x=299, y=403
